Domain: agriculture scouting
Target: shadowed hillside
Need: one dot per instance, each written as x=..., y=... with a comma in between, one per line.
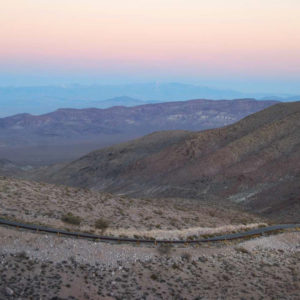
x=254, y=162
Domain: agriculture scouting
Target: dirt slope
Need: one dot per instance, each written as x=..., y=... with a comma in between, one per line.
x=47, y=204
x=254, y=162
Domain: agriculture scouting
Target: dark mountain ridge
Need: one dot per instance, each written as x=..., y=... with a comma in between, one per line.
x=23, y=135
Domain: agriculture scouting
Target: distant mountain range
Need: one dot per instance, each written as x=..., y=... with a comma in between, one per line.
x=254, y=163
x=44, y=99
x=117, y=101
x=68, y=133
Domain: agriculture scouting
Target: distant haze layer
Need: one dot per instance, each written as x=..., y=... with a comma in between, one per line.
x=44, y=99
x=241, y=43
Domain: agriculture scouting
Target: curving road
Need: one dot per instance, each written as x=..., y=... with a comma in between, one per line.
x=249, y=233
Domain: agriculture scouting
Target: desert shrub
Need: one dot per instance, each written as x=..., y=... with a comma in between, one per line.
x=22, y=255
x=89, y=206
x=186, y=256
x=213, y=213
x=242, y=250
x=101, y=224
x=164, y=249
x=158, y=212
x=154, y=277
x=71, y=219
x=192, y=237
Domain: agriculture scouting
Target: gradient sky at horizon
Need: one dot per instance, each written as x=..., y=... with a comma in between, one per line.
x=250, y=45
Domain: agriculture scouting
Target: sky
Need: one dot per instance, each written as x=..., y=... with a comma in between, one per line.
x=247, y=45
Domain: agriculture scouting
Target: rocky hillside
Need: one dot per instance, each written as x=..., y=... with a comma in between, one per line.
x=67, y=134
x=93, y=211
x=254, y=162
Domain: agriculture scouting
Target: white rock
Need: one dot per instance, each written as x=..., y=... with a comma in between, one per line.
x=9, y=291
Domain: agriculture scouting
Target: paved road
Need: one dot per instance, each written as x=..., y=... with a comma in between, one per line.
x=249, y=233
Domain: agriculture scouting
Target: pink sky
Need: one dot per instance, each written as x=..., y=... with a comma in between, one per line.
x=191, y=37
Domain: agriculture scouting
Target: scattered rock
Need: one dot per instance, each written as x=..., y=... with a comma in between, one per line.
x=9, y=291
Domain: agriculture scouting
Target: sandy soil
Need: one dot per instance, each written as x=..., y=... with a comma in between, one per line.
x=41, y=266
x=46, y=204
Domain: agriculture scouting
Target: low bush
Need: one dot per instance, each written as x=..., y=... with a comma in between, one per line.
x=186, y=256
x=101, y=224
x=164, y=249
x=242, y=250
x=154, y=277
x=71, y=219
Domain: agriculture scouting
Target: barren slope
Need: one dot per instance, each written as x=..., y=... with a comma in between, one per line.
x=244, y=163
x=47, y=204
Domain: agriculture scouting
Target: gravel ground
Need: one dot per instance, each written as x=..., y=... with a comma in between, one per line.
x=41, y=266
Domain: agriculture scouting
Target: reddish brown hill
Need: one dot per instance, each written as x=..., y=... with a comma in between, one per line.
x=255, y=162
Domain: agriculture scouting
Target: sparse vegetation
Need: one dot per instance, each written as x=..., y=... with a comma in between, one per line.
x=42, y=203
x=242, y=250
x=186, y=256
x=219, y=272
x=154, y=277
x=71, y=219
x=164, y=249
x=101, y=224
